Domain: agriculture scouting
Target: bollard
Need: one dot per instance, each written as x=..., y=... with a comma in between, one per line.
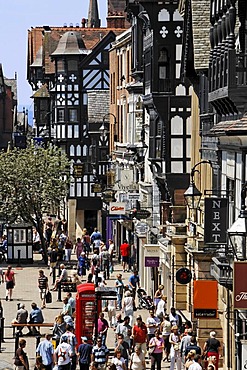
x=37, y=340
x=59, y=292
x=17, y=337
x=53, y=275
x=2, y=330
x=19, y=257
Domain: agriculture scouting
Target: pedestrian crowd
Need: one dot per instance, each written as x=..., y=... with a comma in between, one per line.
x=161, y=337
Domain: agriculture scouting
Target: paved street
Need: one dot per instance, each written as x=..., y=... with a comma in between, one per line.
x=26, y=291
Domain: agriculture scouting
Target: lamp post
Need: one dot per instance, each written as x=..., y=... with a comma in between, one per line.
x=193, y=195
x=237, y=233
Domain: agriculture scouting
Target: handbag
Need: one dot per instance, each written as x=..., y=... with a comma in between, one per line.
x=151, y=350
x=48, y=297
x=176, y=346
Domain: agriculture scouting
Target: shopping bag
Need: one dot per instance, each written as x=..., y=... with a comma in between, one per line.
x=48, y=297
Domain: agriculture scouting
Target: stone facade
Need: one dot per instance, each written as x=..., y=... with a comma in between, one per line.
x=201, y=27
x=98, y=105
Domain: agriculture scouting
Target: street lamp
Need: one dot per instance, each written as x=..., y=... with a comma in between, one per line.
x=193, y=195
x=237, y=233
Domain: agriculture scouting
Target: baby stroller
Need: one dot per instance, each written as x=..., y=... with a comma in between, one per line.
x=144, y=300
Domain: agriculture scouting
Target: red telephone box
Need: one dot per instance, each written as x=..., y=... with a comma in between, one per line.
x=86, y=311
x=88, y=307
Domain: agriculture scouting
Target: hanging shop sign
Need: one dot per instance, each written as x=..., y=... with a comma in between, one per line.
x=240, y=285
x=205, y=296
x=117, y=208
x=142, y=214
x=152, y=261
x=96, y=188
x=215, y=224
x=141, y=229
x=183, y=275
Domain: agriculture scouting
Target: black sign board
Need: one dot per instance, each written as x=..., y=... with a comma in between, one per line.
x=142, y=214
x=215, y=223
x=205, y=313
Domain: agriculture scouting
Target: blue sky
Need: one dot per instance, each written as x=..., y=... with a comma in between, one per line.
x=17, y=16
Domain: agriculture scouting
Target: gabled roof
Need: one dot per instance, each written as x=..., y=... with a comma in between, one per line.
x=49, y=38
x=42, y=92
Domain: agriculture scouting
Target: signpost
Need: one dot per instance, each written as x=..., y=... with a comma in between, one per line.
x=142, y=214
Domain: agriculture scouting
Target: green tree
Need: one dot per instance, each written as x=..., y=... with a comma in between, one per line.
x=33, y=182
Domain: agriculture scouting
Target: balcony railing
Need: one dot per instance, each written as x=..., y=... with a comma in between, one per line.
x=222, y=271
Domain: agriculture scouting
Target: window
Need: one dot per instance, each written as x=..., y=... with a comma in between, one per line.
x=73, y=115
x=72, y=65
x=60, y=115
x=60, y=66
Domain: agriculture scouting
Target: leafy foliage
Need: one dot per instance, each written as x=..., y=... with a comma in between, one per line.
x=33, y=181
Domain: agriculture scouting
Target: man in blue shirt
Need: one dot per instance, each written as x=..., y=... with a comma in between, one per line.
x=46, y=351
x=84, y=354
x=134, y=282
x=36, y=317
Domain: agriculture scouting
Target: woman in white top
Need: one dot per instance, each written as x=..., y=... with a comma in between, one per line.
x=161, y=307
x=111, y=308
x=137, y=359
x=165, y=328
x=174, y=339
x=118, y=361
x=128, y=306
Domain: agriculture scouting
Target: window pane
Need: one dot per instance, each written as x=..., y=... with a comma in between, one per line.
x=72, y=65
x=73, y=115
x=76, y=131
x=60, y=66
x=60, y=115
x=70, y=131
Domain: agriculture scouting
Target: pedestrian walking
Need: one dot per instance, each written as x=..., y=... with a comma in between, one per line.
x=134, y=283
x=137, y=359
x=46, y=351
x=161, y=307
x=79, y=248
x=120, y=289
x=158, y=294
x=102, y=327
x=156, y=344
x=119, y=361
x=105, y=262
x=43, y=287
x=59, y=328
x=166, y=331
x=63, y=353
x=71, y=301
x=111, y=310
x=125, y=329
x=139, y=333
x=84, y=354
x=212, y=346
x=125, y=253
x=100, y=354
x=53, y=259
x=175, y=351
x=9, y=277
x=67, y=309
x=152, y=324
x=21, y=359
x=70, y=338
x=68, y=246
x=124, y=349
x=128, y=305
x=196, y=365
